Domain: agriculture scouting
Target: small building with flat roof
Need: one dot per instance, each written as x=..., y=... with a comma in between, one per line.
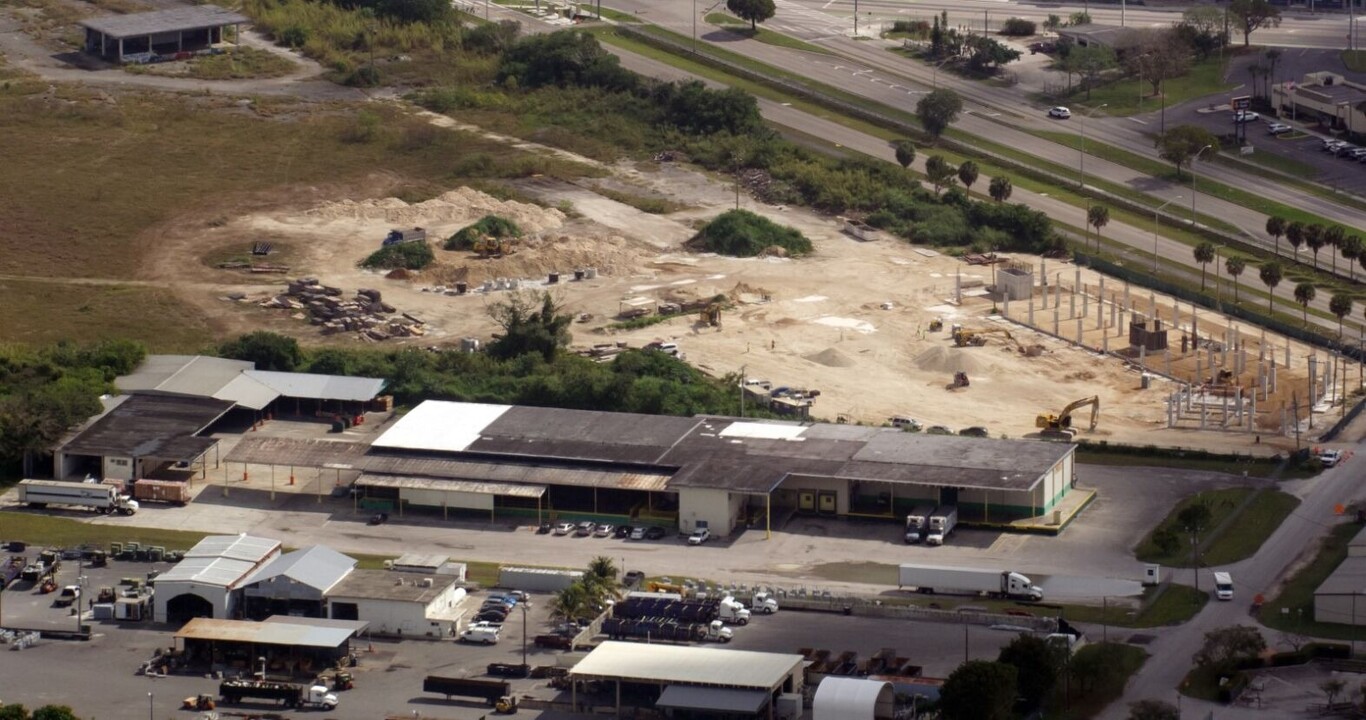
x=137, y=434
x=138, y=37
x=204, y=583
x=697, y=680
x=398, y=603
x=1326, y=98
x=291, y=646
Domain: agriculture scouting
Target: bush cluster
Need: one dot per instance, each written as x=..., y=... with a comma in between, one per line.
x=489, y=225
x=741, y=233
x=409, y=256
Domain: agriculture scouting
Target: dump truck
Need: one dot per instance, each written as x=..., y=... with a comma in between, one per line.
x=965, y=581
x=233, y=692
x=917, y=523
x=98, y=497
x=398, y=235
x=487, y=690
x=942, y=522
x=167, y=491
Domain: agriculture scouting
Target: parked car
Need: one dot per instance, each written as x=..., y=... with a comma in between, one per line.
x=638, y=533
x=1345, y=150
x=584, y=529
x=564, y=528
x=975, y=431
x=1357, y=153
x=1329, y=458
x=938, y=430
x=699, y=536
x=544, y=529
x=654, y=533
x=604, y=530
x=632, y=578
x=520, y=596
x=379, y=519
x=1060, y=113
x=1245, y=116
x=492, y=615
x=905, y=423
x=1278, y=128
x=1332, y=144
x=622, y=532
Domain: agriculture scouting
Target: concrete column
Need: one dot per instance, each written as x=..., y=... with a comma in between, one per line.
x=1204, y=414
x=1079, y=332
x=1313, y=379
x=958, y=287
x=1085, y=302
x=1143, y=356
x=1076, y=288
x=1190, y=393
x=1167, y=358
x=1273, y=377
x=1055, y=317
x=1261, y=378
x=1031, y=308
x=1223, y=354
x=1210, y=363
x=1198, y=376
x=1119, y=326
x=1252, y=415
x=1100, y=305
x=1195, y=322
x=1057, y=290
x=1238, y=407
x=1005, y=305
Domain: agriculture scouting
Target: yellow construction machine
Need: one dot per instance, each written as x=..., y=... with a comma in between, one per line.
x=710, y=316
x=1061, y=424
x=489, y=246
x=976, y=338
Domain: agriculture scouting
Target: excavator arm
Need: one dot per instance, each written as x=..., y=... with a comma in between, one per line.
x=1063, y=420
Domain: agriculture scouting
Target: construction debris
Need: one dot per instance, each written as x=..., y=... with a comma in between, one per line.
x=366, y=314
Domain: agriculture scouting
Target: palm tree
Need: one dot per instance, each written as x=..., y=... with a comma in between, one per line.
x=1275, y=227
x=1204, y=254
x=967, y=174
x=1098, y=216
x=1334, y=236
x=1341, y=305
x=1314, y=238
x=571, y=603
x=1304, y=294
x=1235, y=267
x=1352, y=250
x=1271, y=275
x=1000, y=188
x=1294, y=234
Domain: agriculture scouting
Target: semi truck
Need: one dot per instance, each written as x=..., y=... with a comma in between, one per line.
x=168, y=491
x=917, y=523
x=942, y=522
x=763, y=603
x=298, y=696
x=660, y=629
x=964, y=581
x=487, y=690
x=98, y=497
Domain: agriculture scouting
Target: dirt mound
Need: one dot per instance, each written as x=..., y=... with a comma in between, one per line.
x=397, y=274
x=538, y=256
x=457, y=206
x=947, y=360
x=831, y=357
x=773, y=251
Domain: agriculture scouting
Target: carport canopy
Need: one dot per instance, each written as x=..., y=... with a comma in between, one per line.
x=289, y=631
x=444, y=485
x=712, y=699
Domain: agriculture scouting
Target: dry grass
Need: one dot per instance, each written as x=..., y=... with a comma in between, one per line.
x=42, y=312
x=241, y=63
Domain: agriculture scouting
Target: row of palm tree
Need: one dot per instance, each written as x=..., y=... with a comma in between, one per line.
x=1316, y=237
x=587, y=596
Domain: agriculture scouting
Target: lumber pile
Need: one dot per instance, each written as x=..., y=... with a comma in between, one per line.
x=365, y=314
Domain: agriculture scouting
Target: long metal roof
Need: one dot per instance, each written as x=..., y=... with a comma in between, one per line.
x=234, y=547
x=316, y=566
x=216, y=571
x=150, y=425
x=238, y=382
x=319, y=387
x=193, y=17
x=665, y=664
x=449, y=484
x=508, y=472
x=184, y=374
x=304, y=632
x=310, y=452
x=440, y=426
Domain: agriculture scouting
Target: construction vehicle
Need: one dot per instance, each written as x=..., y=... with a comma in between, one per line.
x=710, y=316
x=936, y=325
x=1061, y=424
x=199, y=702
x=960, y=380
x=488, y=246
x=963, y=337
x=396, y=236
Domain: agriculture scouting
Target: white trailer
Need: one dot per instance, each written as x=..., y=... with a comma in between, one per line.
x=964, y=581
x=942, y=522
x=96, y=496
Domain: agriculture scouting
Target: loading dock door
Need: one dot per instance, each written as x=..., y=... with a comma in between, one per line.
x=948, y=496
x=806, y=501
x=827, y=502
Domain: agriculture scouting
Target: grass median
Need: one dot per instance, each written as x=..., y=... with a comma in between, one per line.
x=1241, y=519
x=768, y=37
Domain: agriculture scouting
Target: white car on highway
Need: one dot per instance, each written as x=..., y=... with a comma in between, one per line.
x=1059, y=112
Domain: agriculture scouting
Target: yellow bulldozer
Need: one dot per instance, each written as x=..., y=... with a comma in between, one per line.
x=1061, y=424
x=710, y=316
x=963, y=337
x=488, y=246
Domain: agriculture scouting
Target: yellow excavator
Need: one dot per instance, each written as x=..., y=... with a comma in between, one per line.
x=976, y=338
x=1061, y=424
x=488, y=246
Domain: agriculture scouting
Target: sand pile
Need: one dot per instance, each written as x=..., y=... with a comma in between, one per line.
x=831, y=357
x=538, y=256
x=462, y=205
x=948, y=360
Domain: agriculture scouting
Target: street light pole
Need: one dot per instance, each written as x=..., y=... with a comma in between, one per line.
x=149, y=706
x=1155, y=220
x=524, y=665
x=1193, y=179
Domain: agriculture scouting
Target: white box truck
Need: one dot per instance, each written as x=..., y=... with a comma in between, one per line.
x=1223, y=586
x=942, y=522
x=98, y=497
x=964, y=581
x=917, y=523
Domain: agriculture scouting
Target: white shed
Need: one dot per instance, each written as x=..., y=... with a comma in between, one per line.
x=842, y=698
x=203, y=584
x=398, y=603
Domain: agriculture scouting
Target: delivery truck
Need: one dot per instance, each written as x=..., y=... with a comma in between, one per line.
x=917, y=523
x=298, y=696
x=98, y=497
x=167, y=491
x=942, y=522
x=964, y=581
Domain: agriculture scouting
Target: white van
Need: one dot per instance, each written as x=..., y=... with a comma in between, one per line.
x=1223, y=586
x=486, y=634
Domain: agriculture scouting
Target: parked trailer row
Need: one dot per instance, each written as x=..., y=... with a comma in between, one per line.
x=656, y=605
x=667, y=630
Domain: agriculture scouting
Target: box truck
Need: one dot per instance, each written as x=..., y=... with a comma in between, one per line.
x=98, y=497
x=964, y=581
x=917, y=523
x=942, y=522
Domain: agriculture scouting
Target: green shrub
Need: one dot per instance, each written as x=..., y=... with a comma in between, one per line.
x=409, y=256
x=490, y=225
x=1017, y=27
x=741, y=233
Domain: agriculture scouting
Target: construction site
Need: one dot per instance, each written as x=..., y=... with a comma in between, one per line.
x=863, y=330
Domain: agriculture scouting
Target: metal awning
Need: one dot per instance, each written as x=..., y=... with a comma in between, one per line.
x=468, y=486
x=711, y=699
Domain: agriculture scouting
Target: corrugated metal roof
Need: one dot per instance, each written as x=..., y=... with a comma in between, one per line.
x=216, y=571
x=383, y=585
x=710, y=699
x=202, y=376
x=150, y=425
x=441, y=426
x=503, y=472
x=193, y=17
x=265, y=450
x=319, y=387
x=643, y=662
x=1348, y=579
x=316, y=566
x=247, y=392
x=275, y=631
x=235, y=547
x=843, y=698
x=449, y=484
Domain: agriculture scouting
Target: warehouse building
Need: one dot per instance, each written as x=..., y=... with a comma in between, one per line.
x=204, y=584
x=1341, y=598
x=295, y=583
x=398, y=603
x=137, y=434
x=691, y=681
x=141, y=37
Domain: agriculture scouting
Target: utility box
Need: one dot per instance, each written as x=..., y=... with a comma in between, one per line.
x=1152, y=574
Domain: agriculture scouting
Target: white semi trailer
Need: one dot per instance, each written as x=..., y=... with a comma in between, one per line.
x=98, y=497
x=964, y=581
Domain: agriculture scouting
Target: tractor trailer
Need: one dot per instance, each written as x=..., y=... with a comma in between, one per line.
x=917, y=523
x=234, y=691
x=942, y=522
x=98, y=497
x=963, y=581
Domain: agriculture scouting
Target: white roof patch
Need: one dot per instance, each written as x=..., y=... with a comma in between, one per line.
x=441, y=425
x=687, y=665
x=763, y=431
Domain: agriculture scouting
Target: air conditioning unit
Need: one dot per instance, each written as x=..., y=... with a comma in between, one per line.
x=426, y=582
